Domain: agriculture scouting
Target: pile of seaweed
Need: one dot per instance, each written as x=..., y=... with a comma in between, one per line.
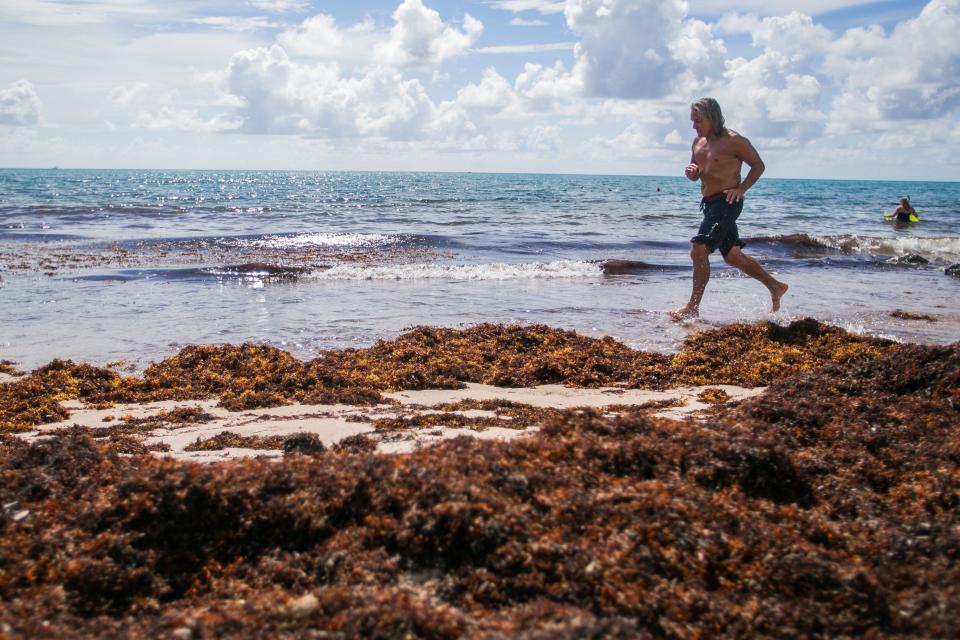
x=249, y=376
x=827, y=506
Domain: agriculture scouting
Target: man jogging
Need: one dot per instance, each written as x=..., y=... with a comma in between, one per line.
x=717, y=158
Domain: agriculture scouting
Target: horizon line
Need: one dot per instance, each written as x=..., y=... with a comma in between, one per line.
x=533, y=173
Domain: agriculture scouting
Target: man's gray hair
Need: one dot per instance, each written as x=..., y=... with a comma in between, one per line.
x=710, y=109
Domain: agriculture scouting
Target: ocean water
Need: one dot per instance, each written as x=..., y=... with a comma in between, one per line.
x=108, y=265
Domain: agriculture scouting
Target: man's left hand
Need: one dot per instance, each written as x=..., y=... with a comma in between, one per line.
x=734, y=195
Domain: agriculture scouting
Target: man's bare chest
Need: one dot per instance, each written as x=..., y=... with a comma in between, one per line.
x=716, y=158
x=716, y=153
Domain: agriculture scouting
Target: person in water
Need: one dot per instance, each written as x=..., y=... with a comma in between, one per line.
x=905, y=212
x=717, y=157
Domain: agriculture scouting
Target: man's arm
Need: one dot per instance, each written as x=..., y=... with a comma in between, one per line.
x=692, y=171
x=746, y=153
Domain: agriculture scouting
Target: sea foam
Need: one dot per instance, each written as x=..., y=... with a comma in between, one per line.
x=946, y=249
x=492, y=271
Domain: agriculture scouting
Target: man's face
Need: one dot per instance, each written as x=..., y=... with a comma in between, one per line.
x=700, y=124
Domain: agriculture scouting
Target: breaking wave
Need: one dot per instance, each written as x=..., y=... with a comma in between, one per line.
x=939, y=249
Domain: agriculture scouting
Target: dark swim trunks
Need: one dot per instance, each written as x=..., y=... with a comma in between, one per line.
x=719, y=227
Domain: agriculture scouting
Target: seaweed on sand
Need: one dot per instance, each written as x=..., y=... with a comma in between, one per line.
x=249, y=376
x=228, y=439
x=714, y=396
x=757, y=354
x=508, y=356
x=175, y=418
x=507, y=415
x=827, y=506
x=303, y=443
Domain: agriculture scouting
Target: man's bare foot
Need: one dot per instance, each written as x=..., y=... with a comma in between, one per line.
x=684, y=313
x=775, y=294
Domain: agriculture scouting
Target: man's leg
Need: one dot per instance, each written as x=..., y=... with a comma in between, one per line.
x=752, y=268
x=700, y=255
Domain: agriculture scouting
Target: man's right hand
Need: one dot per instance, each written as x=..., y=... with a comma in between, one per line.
x=692, y=171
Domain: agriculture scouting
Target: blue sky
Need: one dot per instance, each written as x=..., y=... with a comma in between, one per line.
x=843, y=89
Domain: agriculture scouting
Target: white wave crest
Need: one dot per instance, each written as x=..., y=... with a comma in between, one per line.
x=945, y=249
x=494, y=271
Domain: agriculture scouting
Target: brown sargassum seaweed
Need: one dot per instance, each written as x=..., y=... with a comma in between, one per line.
x=250, y=376
x=827, y=506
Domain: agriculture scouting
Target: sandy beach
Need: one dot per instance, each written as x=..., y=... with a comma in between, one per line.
x=489, y=482
x=266, y=428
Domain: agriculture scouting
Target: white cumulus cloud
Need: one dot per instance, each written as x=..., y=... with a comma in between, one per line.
x=157, y=108
x=281, y=96
x=795, y=35
x=492, y=95
x=235, y=23
x=624, y=48
x=620, y=87
x=674, y=138
x=701, y=54
x=769, y=100
x=537, y=91
x=528, y=22
x=541, y=137
x=547, y=88
x=420, y=38
x=319, y=37
x=129, y=94
x=912, y=74
x=544, y=7
x=19, y=105
x=774, y=7
x=278, y=6
x=777, y=96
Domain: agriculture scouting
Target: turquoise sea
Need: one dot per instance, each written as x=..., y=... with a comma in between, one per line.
x=106, y=265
